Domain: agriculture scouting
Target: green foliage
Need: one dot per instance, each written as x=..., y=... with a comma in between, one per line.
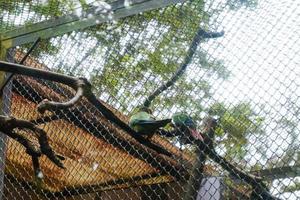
x=56, y=8
x=237, y=123
x=130, y=66
x=44, y=47
x=288, y=126
x=293, y=187
x=51, y=8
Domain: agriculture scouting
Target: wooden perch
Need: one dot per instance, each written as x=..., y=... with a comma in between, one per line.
x=259, y=189
x=83, y=88
x=8, y=126
x=21, y=62
x=200, y=35
x=94, y=132
x=234, y=171
x=197, y=174
x=81, y=117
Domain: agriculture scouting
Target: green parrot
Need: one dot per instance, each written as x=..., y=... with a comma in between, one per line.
x=144, y=123
x=186, y=125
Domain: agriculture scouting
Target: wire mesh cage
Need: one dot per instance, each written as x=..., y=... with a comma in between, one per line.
x=149, y=99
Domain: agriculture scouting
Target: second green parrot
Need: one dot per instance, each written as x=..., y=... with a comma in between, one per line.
x=186, y=125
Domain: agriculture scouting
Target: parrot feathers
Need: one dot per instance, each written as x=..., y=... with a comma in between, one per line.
x=186, y=126
x=158, y=123
x=144, y=123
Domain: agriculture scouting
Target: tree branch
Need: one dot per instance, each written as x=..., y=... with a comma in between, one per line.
x=51, y=105
x=259, y=190
x=234, y=171
x=95, y=128
x=200, y=35
x=197, y=174
x=113, y=118
x=21, y=62
x=7, y=126
x=39, y=73
x=83, y=88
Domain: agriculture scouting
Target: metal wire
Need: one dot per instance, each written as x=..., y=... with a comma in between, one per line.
x=247, y=79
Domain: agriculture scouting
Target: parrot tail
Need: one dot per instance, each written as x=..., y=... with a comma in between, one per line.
x=163, y=122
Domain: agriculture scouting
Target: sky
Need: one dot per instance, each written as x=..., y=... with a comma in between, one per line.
x=261, y=49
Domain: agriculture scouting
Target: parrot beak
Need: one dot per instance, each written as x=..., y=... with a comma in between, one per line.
x=196, y=134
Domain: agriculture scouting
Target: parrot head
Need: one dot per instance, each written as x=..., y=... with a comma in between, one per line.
x=142, y=109
x=186, y=124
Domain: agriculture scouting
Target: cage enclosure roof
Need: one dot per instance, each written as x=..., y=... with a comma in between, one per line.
x=98, y=154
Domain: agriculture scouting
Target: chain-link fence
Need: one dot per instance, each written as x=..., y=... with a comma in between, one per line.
x=180, y=99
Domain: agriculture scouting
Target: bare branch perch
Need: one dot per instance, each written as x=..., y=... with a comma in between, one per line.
x=260, y=191
x=83, y=88
x=21, y=62
x=30, y=150
x=7, y=126
x=197, y=173
x=200, y=35
x=39, y=73
x=234, y=171
x=205, y=149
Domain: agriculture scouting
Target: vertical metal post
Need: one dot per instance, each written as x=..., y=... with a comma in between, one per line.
x=5, y=98
x=3, y=137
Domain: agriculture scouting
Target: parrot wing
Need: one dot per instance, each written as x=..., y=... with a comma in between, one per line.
x=149, y=126
x=154, y=123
